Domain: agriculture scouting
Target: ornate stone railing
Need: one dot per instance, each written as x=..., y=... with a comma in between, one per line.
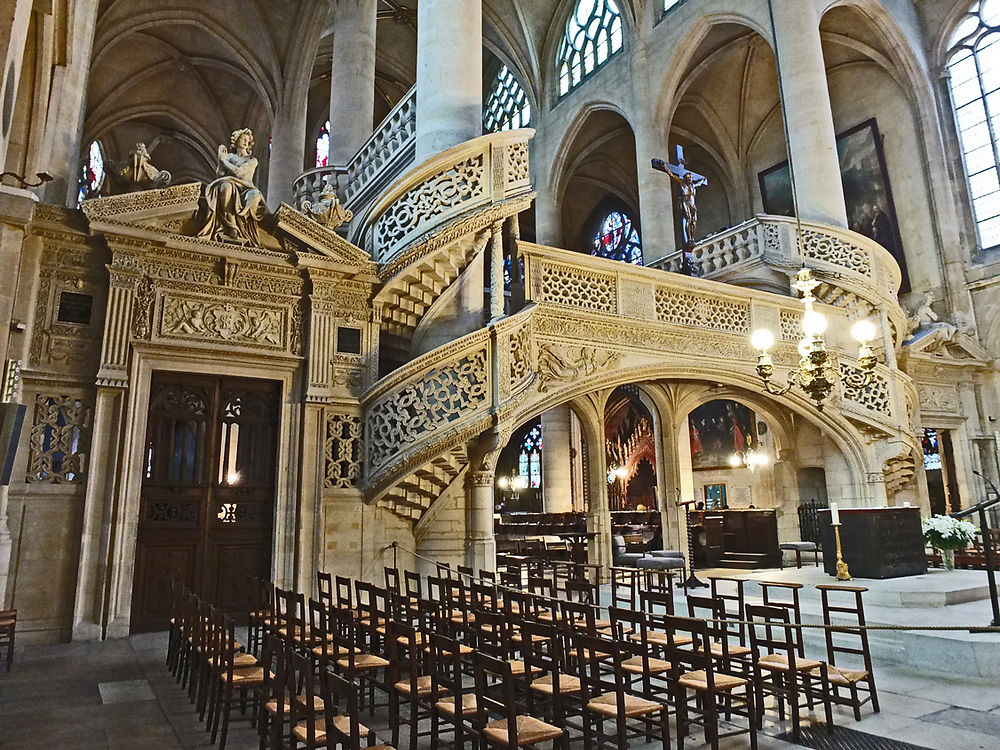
x=853, y=263
x=593, y=323
x=384, y=156
x=442, y=398
x=477, y=173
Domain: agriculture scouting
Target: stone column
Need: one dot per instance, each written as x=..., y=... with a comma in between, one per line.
x=598, y=510
x=496, y=272
x=16, y=209
x=812, y=143
x=557, y=482
x=449, y=74
x=310, y=533
x=62, y=150
x=480, y=543
x=288, y=151
x=352, y=77
x=14, y=19
x=548, y=222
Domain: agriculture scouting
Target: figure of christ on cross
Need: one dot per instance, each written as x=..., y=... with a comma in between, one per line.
x=688, y=183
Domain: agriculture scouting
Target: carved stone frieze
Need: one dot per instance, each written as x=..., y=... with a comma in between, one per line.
x=142, y=309
x=559, y=364
x=164, y=200
x=192, y=318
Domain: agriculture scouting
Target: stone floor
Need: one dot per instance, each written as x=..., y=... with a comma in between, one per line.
x=118, y=694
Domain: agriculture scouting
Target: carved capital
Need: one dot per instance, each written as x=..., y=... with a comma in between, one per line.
x=480, y=479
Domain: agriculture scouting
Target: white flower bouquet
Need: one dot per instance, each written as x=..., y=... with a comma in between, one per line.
x=944, y=532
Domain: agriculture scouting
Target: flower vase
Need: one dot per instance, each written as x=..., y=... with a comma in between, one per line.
x=948, y=558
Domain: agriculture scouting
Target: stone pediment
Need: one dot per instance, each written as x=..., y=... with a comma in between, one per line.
x=171, y=215
x=942, y=343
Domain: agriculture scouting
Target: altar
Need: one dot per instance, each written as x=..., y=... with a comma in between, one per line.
x=875, y=542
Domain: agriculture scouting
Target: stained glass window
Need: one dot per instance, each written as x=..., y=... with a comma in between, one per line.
x=974, y=74
x=507, y=105
x=618, y=239
x=529, y=462
x=323, y=146
x=92, y=175
x=593, y=34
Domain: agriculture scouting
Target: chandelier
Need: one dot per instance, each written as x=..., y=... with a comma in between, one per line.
x=817, y=372
x=749, y=458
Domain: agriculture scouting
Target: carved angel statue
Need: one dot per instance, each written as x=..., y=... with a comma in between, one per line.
x=235, y=205
x=924, y=322
x=327, y=210
x=138, y=173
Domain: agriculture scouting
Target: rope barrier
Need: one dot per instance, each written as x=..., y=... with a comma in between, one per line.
x=972, y=629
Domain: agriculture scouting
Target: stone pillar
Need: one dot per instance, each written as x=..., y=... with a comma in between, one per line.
x=496, y=272
x=557, y=482
x=62, y=150
x=598, y=510
x=352, y=77
x=480, y=543
x=14, y=19
x=548, y=222
x=309, y=549
x=288, y=151
x=812, y=143
x=449, y=74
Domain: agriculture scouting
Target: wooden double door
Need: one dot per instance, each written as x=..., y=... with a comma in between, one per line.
x=208, y=489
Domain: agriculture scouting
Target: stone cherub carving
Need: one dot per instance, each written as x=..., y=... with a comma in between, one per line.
x=235, y=205
x=327, y=210
x=138, y=173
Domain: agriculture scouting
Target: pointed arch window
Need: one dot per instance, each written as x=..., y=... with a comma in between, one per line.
x=618, y=239
x=507, y=106
x=323, y=146
x=92, y=173
x=974, y=77
x=529, y=462
x=593, y=34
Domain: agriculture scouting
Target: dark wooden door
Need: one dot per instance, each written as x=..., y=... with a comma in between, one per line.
x=208, y=488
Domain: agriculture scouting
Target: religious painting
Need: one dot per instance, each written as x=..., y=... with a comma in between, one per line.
x=719, y=429
x=867, y=193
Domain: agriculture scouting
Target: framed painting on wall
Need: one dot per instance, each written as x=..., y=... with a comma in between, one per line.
x=867, y=192
x=719, y=429
x=715, y=497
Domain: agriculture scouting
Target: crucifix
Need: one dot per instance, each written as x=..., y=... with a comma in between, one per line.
x=688, y=183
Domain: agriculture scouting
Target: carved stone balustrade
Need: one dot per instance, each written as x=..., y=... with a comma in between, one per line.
x=592, y=323
x=484, y=171
x=386, y=154
x=858, y=274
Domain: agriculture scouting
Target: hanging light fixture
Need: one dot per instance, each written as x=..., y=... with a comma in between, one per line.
x=817, y=372
x=749, y=458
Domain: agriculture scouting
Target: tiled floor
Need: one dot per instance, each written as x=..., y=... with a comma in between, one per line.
x=119, y=694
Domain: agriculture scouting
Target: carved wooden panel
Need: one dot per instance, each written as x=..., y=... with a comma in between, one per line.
x=207, y=500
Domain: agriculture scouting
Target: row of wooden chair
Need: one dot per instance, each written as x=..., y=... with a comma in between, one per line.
x=505, y=623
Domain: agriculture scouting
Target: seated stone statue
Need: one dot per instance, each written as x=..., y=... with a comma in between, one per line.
x=235, y=205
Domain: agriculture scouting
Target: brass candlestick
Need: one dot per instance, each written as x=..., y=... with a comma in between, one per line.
x=843, y=574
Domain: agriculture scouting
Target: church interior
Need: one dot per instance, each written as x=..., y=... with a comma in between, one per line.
x=339, y=331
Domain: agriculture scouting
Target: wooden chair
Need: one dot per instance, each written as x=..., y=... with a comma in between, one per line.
x=549, y=684
x=625, y=585
x=605, y=695
x=841, y=677
x=496, y=697
x=227, y=678
x=8, y=628
x=324, y=588
x=408, y=685
x=343, y=731
x=704, y=686
x=779, y=671
x=771, y=590
x=642, y=668
x=353, y=662
x=732, y=658
x=735, y=603
x=453, y=704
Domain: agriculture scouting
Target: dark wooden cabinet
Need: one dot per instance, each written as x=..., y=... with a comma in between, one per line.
x=875, y=542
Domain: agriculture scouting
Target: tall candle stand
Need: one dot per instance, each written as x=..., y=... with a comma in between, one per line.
x=843, y=574
x=692, y=581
